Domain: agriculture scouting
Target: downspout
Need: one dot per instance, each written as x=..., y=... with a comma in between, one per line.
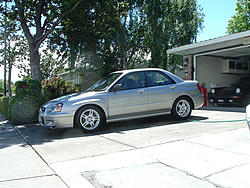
x=194, y=68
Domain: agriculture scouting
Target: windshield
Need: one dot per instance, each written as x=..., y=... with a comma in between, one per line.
x=243, y=82
x=104, y=83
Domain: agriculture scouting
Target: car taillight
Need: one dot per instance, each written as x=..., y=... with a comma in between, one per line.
x=198, y=85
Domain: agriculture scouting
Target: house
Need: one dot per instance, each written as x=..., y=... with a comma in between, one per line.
x=216, y=62
x=71, y=76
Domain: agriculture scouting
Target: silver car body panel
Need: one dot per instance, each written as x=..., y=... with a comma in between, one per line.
x=119, y=105
x=124, y=104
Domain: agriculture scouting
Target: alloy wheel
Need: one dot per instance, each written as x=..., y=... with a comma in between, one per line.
x=183, y=108
x=90, y=119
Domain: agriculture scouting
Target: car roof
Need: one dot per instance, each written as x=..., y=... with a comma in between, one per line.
x=136, y=70
x=173, y=76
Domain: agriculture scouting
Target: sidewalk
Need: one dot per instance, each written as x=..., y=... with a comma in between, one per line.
x=20, y=165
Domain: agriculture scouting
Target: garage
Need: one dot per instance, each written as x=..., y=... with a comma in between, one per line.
x=218, y=62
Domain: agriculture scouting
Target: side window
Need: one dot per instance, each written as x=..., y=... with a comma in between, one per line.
x=133, y=81
x=155, y=78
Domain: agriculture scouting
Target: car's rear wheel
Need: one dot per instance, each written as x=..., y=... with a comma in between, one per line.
x=90, y=118
x=182, y=108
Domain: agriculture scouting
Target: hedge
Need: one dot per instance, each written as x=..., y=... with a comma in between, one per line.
x=4, y=106
x=24, y=106
x=28, y=88
x=21, y=110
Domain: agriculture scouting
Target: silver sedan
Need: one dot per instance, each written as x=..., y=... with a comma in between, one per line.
x=124, y=95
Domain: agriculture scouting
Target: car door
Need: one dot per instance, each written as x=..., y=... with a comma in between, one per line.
x=131, y=99
x=161, y=91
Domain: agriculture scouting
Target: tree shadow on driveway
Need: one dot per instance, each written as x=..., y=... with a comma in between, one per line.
x=36, y=134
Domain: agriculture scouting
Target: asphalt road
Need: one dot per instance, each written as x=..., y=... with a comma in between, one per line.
x=211, y=149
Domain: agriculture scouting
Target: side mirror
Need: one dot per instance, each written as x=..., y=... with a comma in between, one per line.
x=117, y=87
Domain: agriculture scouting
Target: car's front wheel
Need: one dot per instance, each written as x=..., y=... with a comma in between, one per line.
x=182, y=108
x=90, y=118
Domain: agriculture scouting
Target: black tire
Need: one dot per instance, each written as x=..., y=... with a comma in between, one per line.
x=90, y=119
x=182, y=108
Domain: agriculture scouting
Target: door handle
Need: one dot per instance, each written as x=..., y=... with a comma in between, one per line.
x=172, y=87
x=141, y=91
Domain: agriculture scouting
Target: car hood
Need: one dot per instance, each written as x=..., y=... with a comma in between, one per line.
x=227, y=91
x=76, y=96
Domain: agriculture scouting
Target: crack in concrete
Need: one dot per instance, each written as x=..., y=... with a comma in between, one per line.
x=226, y=169
x=192, y=175
x=119, y=142
x=39, y=155
x=31, y=177
x=216, y=148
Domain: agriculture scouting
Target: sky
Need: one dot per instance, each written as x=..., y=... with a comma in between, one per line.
x=217, y=13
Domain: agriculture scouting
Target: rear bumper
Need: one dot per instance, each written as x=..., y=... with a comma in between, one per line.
x=198, y=101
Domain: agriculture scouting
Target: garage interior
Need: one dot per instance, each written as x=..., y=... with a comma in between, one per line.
x=216, y=62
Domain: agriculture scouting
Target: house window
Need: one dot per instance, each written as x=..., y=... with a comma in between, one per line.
x=231, y=65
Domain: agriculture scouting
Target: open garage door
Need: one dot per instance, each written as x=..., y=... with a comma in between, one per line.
x=226, y=75
x=218, y=64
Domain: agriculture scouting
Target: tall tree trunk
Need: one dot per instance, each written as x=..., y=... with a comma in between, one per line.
x=35, y=63
x=10, y=69
x=9, y=79
x=42, y=30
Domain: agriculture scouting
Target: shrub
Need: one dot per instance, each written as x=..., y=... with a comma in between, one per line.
x=27, y=114
x=25, y=105
x=28, y=88
x=30, y=107
x=4, y=106
x=56, y=87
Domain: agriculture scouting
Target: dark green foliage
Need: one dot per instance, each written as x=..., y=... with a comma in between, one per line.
x=4, y=105
x=20, y=110
x=28, y=88
x=23, y=110
x=56, y=87
x=25, y=105
x=1, y=86
x=241, y=20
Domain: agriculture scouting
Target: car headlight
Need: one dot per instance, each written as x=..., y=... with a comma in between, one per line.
x=237, y=90
x=56, y=107
x=213, y=91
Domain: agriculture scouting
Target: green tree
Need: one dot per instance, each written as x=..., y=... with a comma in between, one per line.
x=1, y=86
x=241, y=20
x=38, y=19
x=170, y=23
x=110, y=35
x=16, y=48
x=89, y=36
x=51, y=66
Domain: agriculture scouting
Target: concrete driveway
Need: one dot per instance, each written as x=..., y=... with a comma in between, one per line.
x=211, y=149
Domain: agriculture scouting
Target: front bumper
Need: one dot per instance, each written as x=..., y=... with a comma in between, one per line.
x=222, y=100
x=55, y=120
